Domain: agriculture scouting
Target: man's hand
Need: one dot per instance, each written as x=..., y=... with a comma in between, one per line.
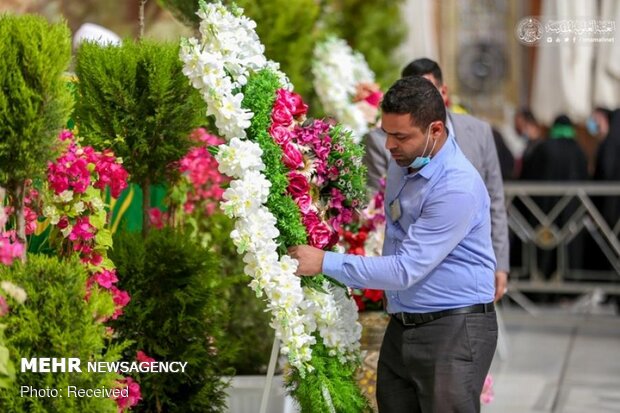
x=501, y=284
x=310, y=259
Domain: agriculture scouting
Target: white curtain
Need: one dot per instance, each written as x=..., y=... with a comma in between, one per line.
x=563, y=74
x=421, y=40
x=607, y=69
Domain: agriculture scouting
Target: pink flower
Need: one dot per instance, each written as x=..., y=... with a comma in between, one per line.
x=311, y=220
x=110, y=173
x=487, y=394
x=106, y=278
x=320, y=236
x=10, y=248
x=134, y=395
x=143, y=358
x=156, y=217
x=374, y=98
x=304, y=202
x=65, y=135
x=297, y=184
x=121, y=299
x=31, y=220
x=291, y=156
x=281, y=115
x=336, y=199
x=82, y=230
x=201, y=135
x=292, y=101
x=280, y=134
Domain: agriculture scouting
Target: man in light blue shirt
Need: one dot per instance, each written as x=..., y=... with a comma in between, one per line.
x=437, y=266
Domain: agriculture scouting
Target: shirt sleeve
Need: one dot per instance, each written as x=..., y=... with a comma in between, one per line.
x=444, y=222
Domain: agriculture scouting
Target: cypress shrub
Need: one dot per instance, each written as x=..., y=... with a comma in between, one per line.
x=34, y=100
x=135, y=100
x=56, y=321
x=176, y=314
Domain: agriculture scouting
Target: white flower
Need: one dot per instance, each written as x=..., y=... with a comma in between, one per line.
x=79, y=207
x=245, y=196
x=238, y=157
x=337, y=71
x=52, y=213
x=66, y=231
x=14, y=291
x=64, y=197
x=97, y=203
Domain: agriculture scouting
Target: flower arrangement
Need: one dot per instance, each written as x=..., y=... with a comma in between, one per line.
x=345, y=85
x=75, y=209
x=284, y=171
x=364, y=236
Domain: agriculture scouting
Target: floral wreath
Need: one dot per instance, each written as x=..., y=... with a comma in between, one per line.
x=294, y=181
x=345, y=85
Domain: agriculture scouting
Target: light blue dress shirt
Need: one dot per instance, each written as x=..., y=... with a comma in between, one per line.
x=438, y=254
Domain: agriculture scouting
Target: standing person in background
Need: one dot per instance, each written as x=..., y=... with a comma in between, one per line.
x=437, y=267
x=528, y=129
x=558, y=159
x=475, y=139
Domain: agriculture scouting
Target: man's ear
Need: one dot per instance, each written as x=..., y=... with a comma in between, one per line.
x=443, y=90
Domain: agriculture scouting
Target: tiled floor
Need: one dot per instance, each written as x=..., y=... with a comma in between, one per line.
x=558, y=362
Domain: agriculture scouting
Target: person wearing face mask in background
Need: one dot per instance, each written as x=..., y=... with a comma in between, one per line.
x=475, y=139
x=437, y=267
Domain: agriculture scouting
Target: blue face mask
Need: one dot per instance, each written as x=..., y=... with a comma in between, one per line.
x=421, y=161
x=592, y=126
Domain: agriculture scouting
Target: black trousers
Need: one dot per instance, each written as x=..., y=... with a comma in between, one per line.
x=437, y=367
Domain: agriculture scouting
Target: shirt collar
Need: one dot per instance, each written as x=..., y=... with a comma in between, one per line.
x=436, y=161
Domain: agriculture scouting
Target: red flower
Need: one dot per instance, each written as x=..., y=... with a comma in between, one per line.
x=373, y=295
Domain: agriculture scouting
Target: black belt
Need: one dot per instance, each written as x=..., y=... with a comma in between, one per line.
x=414, y=319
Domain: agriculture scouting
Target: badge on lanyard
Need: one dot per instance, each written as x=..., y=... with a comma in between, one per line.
x=395, y=211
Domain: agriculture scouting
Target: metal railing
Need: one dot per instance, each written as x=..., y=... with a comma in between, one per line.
x=546, y=219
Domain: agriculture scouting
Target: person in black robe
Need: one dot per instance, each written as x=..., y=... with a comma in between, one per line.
x=605, y=125
x=559, y=159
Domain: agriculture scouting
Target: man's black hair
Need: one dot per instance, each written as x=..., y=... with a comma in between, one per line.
x=421, y=67
x=417, y=97
x=527, y=115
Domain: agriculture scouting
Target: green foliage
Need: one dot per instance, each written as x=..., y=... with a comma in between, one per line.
x=135, y=100
x=259, y=95
x=183, y=10
x=330, y=376
x=56, y=321
x=34, y=102
x=374, y=28
x=176, y=314
x=288, y=29
x=352, y=179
